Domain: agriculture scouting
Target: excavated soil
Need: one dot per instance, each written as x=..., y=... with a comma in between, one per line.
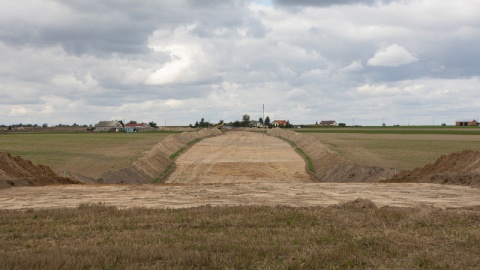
x=246, y=168
x=153, y=164
x=15, y=171
x=329, y=166
x=456, y=168
x=240, y=157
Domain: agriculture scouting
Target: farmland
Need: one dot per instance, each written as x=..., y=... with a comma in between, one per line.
x=397, y=147
x=90, y=154
x=268, y=224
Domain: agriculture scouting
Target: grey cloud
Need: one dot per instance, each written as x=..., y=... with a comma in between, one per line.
x=326, y=3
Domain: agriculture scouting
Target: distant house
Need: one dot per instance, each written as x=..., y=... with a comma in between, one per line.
x=138, y=127
x=328, y=123
x=466, y=122
x=255, y=123
x=279, y=123
x=108, y=126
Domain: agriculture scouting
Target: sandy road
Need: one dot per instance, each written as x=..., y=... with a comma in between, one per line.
x=239, y=168
x=240, y=157
x=270, y=194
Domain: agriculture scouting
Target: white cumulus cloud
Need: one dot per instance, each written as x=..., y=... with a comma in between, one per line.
x=393, y=56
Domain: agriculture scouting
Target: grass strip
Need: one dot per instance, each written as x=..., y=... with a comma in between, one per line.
x=172, y=157
x=299, y=150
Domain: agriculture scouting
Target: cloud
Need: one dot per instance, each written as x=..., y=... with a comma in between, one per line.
x=393, y=56
x=177, y=61
x=354, y=66
x=324, y=3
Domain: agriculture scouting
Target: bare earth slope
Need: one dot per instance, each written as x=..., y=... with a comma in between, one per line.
x=155, y=161
x=456, y=168
x=16, y=171
x=330, y=166
x=240, y=157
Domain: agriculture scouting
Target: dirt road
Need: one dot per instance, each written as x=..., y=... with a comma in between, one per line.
x=271, y=194
x=240, y=157
x=239, y=168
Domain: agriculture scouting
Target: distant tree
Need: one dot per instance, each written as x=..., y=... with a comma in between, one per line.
x=316, y=123
x=288, y=125
x=237, y=124
x=342, y=124
x=245, y=120
x=132, y=122
x=153, y=124
x=45, y=125
x=190, y=125
x=196, y=124
x=267, y=121
x=260, y=120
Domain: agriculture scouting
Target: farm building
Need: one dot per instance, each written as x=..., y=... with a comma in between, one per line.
x=138, y=127
x=328, y=123
x=279, y=123
x=108, y=126
x=466, y=122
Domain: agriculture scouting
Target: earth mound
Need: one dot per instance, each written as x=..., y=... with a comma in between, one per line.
x=455, y=168
x=329, y=166
x=154, y=163
x=16, y=171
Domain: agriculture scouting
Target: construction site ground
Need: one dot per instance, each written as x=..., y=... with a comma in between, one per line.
x=239, y=168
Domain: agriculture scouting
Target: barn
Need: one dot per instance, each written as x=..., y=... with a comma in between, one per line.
x=108, y=126
x=466, y=122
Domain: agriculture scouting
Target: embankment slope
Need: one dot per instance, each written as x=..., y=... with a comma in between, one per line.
x=16, y=171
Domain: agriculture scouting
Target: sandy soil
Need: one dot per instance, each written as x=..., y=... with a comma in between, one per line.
x=270, y=194
x=240, y=157
x=240, y=168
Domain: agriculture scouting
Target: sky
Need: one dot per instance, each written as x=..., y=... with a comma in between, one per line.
x=362, y=62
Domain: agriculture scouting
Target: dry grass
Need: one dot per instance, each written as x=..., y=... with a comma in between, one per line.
x=350, y=236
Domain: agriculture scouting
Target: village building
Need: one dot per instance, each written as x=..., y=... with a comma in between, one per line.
x=328, y=123
x=279, y=123
x=466, y=122
x=108, y=126
x=138, y=127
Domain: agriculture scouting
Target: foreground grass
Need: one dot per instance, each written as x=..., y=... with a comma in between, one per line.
x=99, y=237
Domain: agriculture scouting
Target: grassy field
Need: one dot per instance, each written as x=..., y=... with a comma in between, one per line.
x=397, y=147
x=99, y=237
x=88, y=153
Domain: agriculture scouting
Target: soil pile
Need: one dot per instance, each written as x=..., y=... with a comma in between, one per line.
x=329, y=166
x=16, y=171
x=456, y=168
x=154, y=163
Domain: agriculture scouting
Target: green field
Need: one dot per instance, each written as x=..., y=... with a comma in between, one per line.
x=396, y=147
x=88, y=153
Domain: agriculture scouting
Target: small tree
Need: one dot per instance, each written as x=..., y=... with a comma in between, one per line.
x=267, y=121
x=153, y=124
x=245, y=120
x=260, y=120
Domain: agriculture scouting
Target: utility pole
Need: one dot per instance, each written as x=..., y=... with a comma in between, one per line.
x=263, y=115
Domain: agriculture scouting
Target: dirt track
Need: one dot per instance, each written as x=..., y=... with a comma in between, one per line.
x=239, y=168
x=240, y=157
